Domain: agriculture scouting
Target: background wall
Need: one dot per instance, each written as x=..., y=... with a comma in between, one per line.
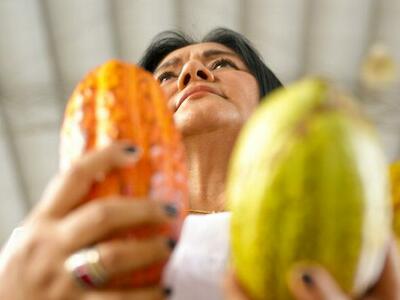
x=47, y=46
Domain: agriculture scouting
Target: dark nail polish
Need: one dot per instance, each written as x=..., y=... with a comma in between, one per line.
x=130, y=149
x=171, y=210
x=167, y=291
x=171, y=243
x=307, y=279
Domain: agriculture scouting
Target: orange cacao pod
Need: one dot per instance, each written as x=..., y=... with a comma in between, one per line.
x=120, y=101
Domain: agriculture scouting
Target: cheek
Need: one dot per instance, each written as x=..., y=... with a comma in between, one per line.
x=169, y=92
x=244, y=93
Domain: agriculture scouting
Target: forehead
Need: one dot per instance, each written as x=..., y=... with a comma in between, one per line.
x=196, y=50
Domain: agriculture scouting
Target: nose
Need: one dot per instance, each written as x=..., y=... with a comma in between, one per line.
x=192, y=71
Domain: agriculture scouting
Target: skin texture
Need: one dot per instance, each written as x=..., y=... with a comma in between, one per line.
x=209, y=121
x=60, y=225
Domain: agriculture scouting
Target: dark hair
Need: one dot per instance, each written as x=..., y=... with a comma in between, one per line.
x=168, y=41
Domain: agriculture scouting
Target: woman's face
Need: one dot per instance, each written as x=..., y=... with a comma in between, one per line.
x=208, y=88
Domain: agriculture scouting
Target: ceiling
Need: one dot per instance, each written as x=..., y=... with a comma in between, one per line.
x=47, y=46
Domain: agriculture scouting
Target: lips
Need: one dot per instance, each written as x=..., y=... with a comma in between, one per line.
x=193, y=90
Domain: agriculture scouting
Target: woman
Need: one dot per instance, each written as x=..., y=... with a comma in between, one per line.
x=212, y=88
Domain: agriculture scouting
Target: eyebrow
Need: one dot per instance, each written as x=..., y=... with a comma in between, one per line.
x=215, y=52
x=169, y=63
x=206, y=54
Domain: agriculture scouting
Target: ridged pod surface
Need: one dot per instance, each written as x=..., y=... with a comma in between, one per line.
x=394, y=171
x=120, y=101
x=308, y=183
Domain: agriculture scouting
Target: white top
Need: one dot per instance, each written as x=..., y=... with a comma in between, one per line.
x=197, y=266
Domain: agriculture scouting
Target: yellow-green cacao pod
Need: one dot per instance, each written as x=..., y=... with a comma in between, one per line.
x=394, y=171
x=308, y=183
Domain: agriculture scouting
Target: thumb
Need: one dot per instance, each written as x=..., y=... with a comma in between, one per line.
x=313, y=283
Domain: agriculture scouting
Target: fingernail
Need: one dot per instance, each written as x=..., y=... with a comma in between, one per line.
x=167, y=291
x=171, y=210
x=171, y=243
x=307, y=279
x=131, y=149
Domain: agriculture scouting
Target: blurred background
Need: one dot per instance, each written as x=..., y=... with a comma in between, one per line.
x=47, y=46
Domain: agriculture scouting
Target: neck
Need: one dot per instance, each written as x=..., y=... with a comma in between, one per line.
x=208, y=158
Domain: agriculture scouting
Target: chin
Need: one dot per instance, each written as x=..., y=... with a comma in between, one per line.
x=193, y=127
x=192, y=120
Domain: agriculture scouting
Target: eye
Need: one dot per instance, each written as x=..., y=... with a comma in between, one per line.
x=165, y=76
x=222, y=63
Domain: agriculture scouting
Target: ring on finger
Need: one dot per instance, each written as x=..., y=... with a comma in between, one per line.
x=86, y=267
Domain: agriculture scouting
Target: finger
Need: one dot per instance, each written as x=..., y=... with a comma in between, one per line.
x=388, y=285
x=148, y=293
x=121, y=256
x=97, y=220
x=68, y=188
x=313, y=283
x=232, y=288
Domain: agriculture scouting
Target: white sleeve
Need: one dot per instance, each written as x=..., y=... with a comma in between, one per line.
x=198, y=264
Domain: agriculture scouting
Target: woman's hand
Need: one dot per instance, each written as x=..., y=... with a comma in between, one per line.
x=314, y=283
x=60, y=225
